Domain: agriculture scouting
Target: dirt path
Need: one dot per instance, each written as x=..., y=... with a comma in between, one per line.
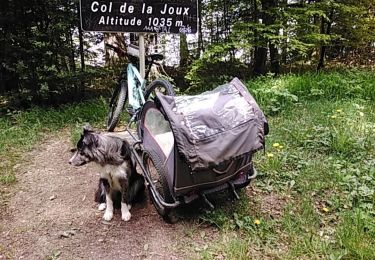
x=52, y=214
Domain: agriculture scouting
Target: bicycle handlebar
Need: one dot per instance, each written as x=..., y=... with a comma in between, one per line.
x=122, y=53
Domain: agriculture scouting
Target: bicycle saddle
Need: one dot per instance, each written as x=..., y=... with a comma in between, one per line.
x=155, y=56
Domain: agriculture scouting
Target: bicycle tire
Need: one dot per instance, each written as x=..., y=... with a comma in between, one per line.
x=158, y=83
x=116, y=105
x=153, y=163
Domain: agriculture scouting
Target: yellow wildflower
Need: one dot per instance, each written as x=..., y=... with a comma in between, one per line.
x=339, y=110
x=333, y=116
x=257, y=222
x=270, y=155
x=325, y=209
x=280, y=147
x=276, y=145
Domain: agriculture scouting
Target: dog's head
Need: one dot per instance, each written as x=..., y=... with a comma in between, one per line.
x=85, y=146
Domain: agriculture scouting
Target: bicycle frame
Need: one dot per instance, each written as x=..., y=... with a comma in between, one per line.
x=136, y=85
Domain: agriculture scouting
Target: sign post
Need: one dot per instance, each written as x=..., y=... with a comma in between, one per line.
x=141, y=16
x=142, y=63
x=153, y=16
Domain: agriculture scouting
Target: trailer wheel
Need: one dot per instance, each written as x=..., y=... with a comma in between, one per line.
x=157, y=172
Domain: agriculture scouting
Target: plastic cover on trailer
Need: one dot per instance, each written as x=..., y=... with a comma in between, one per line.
x=215, y=126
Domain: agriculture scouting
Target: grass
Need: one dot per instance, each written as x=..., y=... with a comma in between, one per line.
x=320, y=163
x=21, y=130
x=314, y=195
x=275, y=94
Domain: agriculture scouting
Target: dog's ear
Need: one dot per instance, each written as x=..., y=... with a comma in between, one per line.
x=125, y=150
x=87, y=128
x=91, y=139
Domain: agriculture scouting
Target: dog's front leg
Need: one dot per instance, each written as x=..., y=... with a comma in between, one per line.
x=125, y=213
x=100, y=193
x=125, y=203
x=108, y=214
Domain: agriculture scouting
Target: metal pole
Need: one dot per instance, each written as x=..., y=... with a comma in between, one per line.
x=142, y=54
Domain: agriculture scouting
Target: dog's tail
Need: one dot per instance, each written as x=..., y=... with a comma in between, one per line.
x=136, y=193
x=100, y=193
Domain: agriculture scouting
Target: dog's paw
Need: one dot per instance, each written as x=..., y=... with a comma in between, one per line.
x=102, y=206
x=126, y=216
x=108, y=216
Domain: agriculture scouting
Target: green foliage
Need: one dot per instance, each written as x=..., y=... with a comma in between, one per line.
x=39, y=51
x=274, y=94
x=274, y=98
x=356, y=235
x=216, y=67
x=231, y=247
x=319, y=158
x=267, y=34
x=218, y=218
x=19, y=131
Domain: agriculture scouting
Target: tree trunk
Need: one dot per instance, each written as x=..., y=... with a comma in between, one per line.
x=81, y=50
x=269, y=18
x=260, y=57
x=260, y=51
x=326, y=31
x=82, y=57
x=72, y=63
x=117, y=39
x=322, y=54
x=225, y=17
x=200, y=35
x=274, y=59
x=322, y=48
x=184, y=51
x=107, y=54
x=212, y=35
x=217, y=29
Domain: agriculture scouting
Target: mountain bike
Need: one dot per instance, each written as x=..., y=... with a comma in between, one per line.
x=131, y=91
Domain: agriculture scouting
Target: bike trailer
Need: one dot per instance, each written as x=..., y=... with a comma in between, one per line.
x=203, y=143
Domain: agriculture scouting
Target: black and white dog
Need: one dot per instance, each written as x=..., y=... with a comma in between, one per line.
x=117, y=173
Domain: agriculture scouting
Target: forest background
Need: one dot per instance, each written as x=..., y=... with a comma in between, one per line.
x=310, y=66
x=47, y=59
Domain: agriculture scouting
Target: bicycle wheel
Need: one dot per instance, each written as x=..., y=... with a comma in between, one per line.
x=157, y=172
x=116, y=105
x=158, y=85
